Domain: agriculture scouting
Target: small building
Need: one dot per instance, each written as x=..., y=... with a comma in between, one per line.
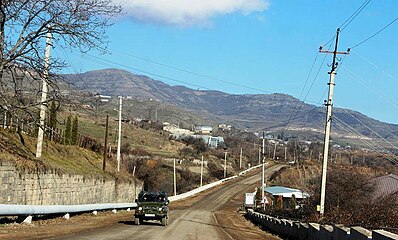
x=211, y=141
x=203, y=129
x=286, y=194
x=385, y=186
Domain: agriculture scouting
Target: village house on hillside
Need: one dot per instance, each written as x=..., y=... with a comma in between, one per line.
x=385, y=186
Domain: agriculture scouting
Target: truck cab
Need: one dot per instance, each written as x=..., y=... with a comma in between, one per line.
x=152, y=206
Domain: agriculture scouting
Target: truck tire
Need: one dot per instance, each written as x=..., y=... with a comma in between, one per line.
x=164, y=221
x=137, y=221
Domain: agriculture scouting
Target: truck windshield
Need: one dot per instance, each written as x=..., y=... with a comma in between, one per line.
x=151, y=197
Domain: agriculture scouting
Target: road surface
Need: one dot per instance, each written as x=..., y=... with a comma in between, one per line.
x=209, y=215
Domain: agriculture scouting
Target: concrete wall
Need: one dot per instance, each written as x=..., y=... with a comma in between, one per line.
x=302, y=231
x=49, y=188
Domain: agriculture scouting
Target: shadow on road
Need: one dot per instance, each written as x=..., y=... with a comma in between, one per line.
x=153, y=223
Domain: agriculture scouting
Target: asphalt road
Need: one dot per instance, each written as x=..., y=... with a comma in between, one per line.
x=211, y=215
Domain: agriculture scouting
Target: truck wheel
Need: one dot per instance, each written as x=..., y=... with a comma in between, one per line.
x=137, y=221
x=164, y=221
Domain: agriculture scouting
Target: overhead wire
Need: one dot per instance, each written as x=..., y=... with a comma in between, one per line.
x=366, y=126
x=353, y=16
x=374, y=65
x=362, y=139
x=375, y=34
x=185, y=71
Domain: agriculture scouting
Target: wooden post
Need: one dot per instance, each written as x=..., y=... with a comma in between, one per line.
x=106, y=143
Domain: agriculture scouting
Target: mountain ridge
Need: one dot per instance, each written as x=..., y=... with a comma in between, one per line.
x=256, y=112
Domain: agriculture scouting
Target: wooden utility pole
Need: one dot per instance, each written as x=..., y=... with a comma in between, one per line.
x=120, y=134
x=329, y=105
x=105, y=144
x=44, y=96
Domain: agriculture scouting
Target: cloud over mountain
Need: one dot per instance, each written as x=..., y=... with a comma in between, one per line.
x=188, y=12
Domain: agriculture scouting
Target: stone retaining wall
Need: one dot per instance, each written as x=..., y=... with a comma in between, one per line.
x=312, y=231
x=50, y=188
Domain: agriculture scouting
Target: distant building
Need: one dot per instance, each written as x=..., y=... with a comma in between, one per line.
x=176, y=131
x=224, y=127
x=211, y=141
x=203, y=129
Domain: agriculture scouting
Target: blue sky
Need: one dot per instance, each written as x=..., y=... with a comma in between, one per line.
x=268, y=46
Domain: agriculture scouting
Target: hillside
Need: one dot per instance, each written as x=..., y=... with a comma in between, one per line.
x=256, y=112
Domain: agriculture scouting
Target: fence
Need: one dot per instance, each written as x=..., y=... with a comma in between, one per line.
x=312, y=231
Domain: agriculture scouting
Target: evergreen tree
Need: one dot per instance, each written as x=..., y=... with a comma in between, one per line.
x=53, y=116
x=75, y=131
x=68, y=130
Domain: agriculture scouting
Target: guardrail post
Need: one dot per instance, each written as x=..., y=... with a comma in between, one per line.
x=383, y=235
x=313, y=231
x=340, y=232
x=360, y=233
x=325, y=232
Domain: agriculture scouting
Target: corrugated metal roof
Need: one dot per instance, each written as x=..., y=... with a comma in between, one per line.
x=285, y=192
x=385, y=185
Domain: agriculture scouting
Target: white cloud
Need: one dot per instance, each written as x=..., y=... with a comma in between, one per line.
x=188, y=12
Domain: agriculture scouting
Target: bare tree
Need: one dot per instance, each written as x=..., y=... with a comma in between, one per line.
x=24, y=24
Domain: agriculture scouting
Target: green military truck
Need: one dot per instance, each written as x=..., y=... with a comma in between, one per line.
x=152, y=206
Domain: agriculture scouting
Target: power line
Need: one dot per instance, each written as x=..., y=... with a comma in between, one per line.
x=375, y=66
x=362, y=138
x=353, y=16
x=186, y=71
x=372, y=36
x=349, y=20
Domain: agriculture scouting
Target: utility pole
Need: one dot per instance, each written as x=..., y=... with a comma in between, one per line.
x=285, y=153
x=329, y=105
x=5, y=120
x=274, y=156
x=240, y=159
x=105, y=144
x=174, y=177
x=201, y=172
x=44, y=96
x=259, y=155
x=225, y=164
x=120, y=134
x=263, y=172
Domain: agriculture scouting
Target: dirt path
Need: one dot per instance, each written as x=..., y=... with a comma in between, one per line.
x=209, y=215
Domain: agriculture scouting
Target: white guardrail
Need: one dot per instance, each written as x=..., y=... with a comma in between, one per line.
x=27, y=210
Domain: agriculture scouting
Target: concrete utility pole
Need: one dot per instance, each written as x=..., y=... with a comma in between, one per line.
x=105, y=144
x=120, y=134
x=274, y=156
x=240, y=159
x=263, y=172
x=174, y=177
x=201, y=172
x=329, y=105
x=225, y=164
x=44, y=96
x=5, y=120
x=259, y=155
x=285, y=153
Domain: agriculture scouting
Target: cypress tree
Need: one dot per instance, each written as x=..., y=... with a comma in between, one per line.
x=68, y=130
x=75, y=131
x=53, y=115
